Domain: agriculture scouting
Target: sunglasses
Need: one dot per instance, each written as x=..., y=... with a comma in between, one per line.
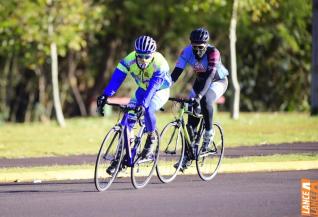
x=143, y=56
x=198, y=47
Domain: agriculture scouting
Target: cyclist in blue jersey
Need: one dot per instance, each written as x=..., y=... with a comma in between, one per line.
x=150, y=71
x=210, y=84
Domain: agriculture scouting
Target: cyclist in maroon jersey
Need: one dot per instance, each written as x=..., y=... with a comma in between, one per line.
x=210, y=84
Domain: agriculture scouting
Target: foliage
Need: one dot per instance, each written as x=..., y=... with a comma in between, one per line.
x=274, y=76
x=273, y=46
x=28, y=22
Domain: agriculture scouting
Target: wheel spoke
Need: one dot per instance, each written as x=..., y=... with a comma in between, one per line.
x=208, y=162
x=171, y=153
x=110, y=150
x=143, y=169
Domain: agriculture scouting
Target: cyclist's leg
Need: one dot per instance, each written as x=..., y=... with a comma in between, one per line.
x=216, y=90
x=130, y=118
x=157, y=101
x=196, y=89
x=145, y=165
x=193, y=122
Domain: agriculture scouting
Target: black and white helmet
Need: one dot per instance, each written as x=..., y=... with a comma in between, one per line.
x=145, y=44
x=200, y=35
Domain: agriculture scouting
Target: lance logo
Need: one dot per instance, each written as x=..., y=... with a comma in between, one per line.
x=309, y=197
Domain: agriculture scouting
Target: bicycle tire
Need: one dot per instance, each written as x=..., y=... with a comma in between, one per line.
x=172, y=146
x=208, y=162
x=143, y=169
x=109, y=150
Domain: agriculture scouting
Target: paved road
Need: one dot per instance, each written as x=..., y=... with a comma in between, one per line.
x=239, y=195
x=261, y=150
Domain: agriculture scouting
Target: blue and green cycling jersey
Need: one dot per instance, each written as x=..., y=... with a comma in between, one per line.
x=153, y=78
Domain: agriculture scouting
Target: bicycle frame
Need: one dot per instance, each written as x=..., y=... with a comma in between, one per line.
x=207, y=160
x=131, y=151
x=183, y=110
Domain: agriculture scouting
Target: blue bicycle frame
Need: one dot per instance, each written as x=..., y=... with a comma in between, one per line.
x=142, y=168
x=131, y=152
x=125, y=139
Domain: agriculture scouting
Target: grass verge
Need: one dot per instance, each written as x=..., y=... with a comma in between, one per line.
x=84, y=135
x=237, y=165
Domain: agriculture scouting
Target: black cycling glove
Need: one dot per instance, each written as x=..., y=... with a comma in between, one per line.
x=196, y=105
x=101, y=101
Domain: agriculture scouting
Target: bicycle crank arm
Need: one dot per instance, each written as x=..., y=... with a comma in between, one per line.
x=170, y=152
x=208, y=153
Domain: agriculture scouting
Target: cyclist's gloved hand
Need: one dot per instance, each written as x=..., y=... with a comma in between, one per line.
x=101, y=101
x=140, y=110
x=196, y=105
x=196, y=100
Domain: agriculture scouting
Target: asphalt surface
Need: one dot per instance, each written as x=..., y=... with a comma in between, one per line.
x=240, y=195
x=261, y=150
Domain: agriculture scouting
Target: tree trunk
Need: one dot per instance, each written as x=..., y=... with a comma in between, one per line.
x=236, y=98
x=314, y=75
x=28, y=113
x=3, y=88
x=40, y=110
x=73, y=84
x=55, y=86
x=54, y=70
x=13, y=76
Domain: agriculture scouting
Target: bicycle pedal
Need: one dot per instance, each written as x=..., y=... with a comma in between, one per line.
x=182, y=169
x=209, y=150
x=123, y=168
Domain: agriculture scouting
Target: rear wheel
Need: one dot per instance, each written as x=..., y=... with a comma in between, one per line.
x=171, y=152
x=111, y=150
x=143, y=169
x=209, y=161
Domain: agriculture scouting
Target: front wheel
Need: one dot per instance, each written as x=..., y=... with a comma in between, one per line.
x=111, y=150
x=171, y=152
x=209, y=161
x=143, y=169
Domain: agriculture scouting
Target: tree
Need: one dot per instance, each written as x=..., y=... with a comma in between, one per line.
x=236, y=99
x=314, y=75
x=54, y=68
x=38, y=30
x=273, y=50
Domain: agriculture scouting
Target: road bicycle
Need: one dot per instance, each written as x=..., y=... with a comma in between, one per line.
x=119, y=145
x=175, y=143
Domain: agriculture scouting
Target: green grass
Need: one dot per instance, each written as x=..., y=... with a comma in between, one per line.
x=269, y=128
x=272, y=158
x=84, y=135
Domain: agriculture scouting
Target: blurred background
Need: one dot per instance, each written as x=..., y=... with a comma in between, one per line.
x=83, y=40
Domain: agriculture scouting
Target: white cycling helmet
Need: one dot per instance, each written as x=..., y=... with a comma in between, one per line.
x=145, y=45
